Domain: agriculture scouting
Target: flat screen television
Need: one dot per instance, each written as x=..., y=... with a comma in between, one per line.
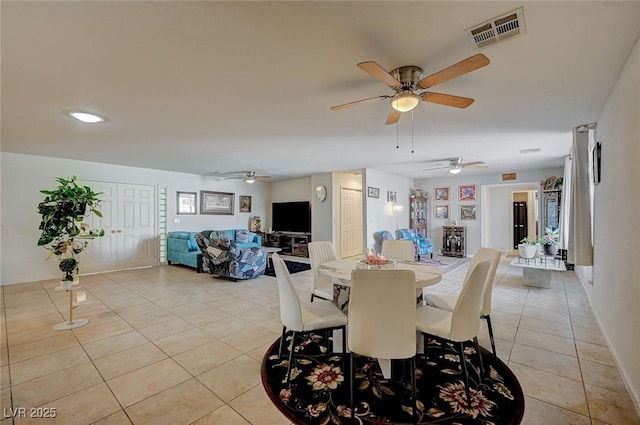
x=291, y=217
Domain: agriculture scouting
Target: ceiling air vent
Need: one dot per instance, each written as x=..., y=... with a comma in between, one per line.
x=497, y=29
x=531, y=150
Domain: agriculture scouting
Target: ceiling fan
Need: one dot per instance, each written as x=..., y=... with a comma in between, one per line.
x=247, y=176
x=456, y=165
x=406, y=80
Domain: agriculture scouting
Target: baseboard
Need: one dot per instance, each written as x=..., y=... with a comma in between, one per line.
x=635, y=396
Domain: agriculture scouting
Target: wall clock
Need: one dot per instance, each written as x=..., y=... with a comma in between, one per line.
x=321, y=192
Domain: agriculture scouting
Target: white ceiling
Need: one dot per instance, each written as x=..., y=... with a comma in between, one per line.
x=201, y=87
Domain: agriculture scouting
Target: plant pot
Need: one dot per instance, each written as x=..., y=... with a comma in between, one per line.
x=67, y=284
x=550, y=250
x=527, y=251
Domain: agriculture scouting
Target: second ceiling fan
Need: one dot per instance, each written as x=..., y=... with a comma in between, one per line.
x=406, y=80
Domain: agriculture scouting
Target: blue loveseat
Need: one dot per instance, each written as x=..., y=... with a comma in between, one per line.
x=183, y=249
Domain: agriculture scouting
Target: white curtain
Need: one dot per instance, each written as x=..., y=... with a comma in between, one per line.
x=580, y=249
x=565, y=208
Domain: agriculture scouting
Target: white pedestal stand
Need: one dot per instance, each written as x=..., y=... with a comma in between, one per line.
x=71, y=324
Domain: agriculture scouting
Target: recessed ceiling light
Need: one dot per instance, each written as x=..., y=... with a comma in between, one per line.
x=86, y=117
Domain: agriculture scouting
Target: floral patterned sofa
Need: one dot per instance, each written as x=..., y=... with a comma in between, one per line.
x=223, y=257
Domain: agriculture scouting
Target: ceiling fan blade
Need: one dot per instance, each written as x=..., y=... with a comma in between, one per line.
x=447, y=99
x=357, y=102
x=475, y=164
x=263, y=178
x=436, y=168
x=470, y=64
x=393, y=117
x=379, y=73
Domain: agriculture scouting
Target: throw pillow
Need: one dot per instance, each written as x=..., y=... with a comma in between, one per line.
x=242, y=236
x=193, y=246
x=252, y=237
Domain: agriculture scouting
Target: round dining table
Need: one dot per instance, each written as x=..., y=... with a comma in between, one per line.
x=340, y=271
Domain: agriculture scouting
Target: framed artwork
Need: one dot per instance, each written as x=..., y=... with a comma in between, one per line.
x=186, y=203
x=597, y=162
x=392, y=196
x=467, y=193
x=216, y=202
x=469, y=212
x=373, y=192
x=441, y=193
x=550, y=183
x=441, y=211
x=245, y=203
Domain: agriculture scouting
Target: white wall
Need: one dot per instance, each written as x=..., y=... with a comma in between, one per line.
x=322, y=212
x=615, y=294
x=378, y=212
x=23, y=176
x=492, y=210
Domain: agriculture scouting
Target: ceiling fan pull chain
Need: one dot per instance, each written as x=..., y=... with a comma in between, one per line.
x=412, y=131
x=397, y=135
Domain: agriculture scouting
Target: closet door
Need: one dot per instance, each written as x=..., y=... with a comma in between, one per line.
x=135, y=234
x=128, y=219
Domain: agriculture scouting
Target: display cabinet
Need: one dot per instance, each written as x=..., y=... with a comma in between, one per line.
x=418, y=215
x=454, y=241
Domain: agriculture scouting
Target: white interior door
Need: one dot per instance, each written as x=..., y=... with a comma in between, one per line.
x=128, y=219
x=350, y=222
x=136, y=226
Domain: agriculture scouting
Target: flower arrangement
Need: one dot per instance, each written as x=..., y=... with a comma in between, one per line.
x=550, y=237
x=63, y=233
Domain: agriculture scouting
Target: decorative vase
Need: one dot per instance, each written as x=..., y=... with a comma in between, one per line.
x=550, y=250
x=527, y=251
x=67, y=284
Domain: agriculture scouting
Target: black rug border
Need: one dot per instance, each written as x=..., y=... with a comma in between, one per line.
x=275, y=400
x=286, y=262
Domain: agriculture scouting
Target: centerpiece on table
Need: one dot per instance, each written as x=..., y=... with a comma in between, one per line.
x=550, y=242
x=64, y=234
x=372, y=261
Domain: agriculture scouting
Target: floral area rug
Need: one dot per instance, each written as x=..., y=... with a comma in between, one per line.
x=446, y=264
x=318, y=392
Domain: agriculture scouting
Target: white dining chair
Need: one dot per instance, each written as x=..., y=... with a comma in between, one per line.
x=300, y=316
x=448, y=301
x=461, y=324
x=399, y=250
x=382, y=319
x=321, y=252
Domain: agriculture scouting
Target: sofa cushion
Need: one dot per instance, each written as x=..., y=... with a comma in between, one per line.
x=193, y=246
x=242, y=236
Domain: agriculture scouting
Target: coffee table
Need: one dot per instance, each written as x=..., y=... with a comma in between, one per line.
x=270, y=251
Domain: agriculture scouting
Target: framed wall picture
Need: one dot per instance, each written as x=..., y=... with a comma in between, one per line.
x=245, y=203
x=220, y=203
x=550, y=183
x=392, y=196
x=441, y=193
x=469, y=212
x=373, y=192
x=186, y=203
x=467, y=192
x=441, y=212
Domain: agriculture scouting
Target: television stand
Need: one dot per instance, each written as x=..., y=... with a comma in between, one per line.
x=296, y=244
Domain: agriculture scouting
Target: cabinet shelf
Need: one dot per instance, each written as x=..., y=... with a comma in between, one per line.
x=418, y=215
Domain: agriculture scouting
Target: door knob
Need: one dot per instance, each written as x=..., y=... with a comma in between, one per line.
x=113, y=231
x=119, y=231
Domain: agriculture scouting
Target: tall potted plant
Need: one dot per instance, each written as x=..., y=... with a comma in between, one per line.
x=63, y=234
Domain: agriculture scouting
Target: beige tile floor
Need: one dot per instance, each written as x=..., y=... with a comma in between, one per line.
x=168, y=346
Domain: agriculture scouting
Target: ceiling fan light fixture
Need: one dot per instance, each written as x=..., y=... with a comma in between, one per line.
x=404, y=102
x=455, y=170
x=250, y=179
